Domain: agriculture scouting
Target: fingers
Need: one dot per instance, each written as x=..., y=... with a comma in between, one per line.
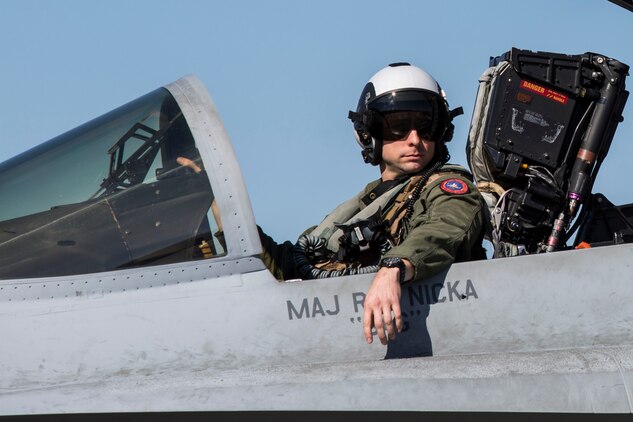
x=389, y=326
x=382, y=306
x=380, y=329
x=387, y=322
x=398, y=317
x=373, y=318
x=368, y=324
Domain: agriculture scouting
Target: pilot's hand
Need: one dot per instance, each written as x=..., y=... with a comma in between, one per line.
x=185, y=162
x=383, y=298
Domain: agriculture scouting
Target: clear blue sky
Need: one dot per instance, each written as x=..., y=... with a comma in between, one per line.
x=283, y=75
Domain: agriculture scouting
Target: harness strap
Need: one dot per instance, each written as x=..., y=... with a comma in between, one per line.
x=394, y=201
x=349, y=213
x=395, y=215
x=378, y=191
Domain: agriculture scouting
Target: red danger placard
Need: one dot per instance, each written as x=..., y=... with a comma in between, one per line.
x=545, y=92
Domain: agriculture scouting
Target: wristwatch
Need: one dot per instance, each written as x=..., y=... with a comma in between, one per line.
x=395, y=262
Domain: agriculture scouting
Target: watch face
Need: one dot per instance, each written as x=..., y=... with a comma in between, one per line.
x=391, y=262
x=395, y=263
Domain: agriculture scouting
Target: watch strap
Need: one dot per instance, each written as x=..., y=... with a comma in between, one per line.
x=395, y=262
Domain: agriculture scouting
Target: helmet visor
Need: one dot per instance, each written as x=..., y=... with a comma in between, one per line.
x=405, y=100
x=397, y=125
x=400, y=112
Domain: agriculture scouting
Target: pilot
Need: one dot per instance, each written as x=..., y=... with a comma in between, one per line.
x=422, y=215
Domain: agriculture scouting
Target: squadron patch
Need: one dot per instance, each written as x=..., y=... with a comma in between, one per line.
x=454, y=187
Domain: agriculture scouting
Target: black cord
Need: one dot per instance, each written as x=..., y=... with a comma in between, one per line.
x=446, y=156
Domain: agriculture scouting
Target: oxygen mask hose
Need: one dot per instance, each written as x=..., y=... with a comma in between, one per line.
x=306, y=247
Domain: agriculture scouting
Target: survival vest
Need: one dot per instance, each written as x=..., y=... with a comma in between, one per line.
x=318, y=252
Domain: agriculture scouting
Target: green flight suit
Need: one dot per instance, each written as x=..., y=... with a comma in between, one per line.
x=446, y=225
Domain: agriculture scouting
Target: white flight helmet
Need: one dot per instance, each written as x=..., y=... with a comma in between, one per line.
x=400, y=87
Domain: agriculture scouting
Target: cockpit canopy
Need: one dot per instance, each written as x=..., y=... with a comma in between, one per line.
x=126, y=189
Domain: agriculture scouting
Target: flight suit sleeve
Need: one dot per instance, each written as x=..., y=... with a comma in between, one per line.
x=277, y=256
x=444, y=227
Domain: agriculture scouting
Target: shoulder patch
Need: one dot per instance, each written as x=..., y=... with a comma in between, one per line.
x=454, y=187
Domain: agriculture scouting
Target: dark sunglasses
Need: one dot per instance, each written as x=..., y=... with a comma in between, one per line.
x=396, y=125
